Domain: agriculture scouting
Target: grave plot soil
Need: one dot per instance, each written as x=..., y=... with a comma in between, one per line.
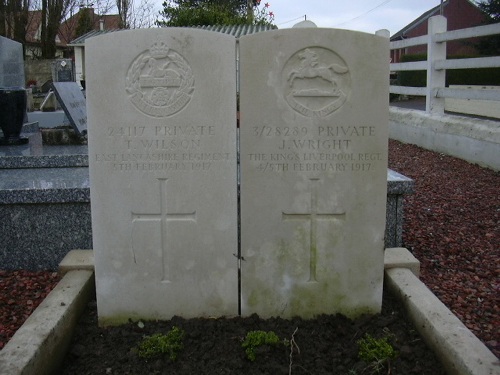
x=327, y=345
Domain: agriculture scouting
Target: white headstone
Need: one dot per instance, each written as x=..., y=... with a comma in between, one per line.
x=162, y=150
x=304, y=25
x=314, y=117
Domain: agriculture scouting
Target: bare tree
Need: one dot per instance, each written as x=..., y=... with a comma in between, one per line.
x=83, y=17
x=124, y=7
x=14, y=19
x=134, y=16
x=16, y=15
x=53, y=12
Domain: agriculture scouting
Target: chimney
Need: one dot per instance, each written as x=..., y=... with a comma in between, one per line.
x=101, y=24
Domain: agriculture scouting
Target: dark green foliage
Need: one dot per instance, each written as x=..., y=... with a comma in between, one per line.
x=413, y=78
x=484, y=76
x=490, y=7
x=255, y=339
x=378, y=353
x=158, y=344
x=212, y=12
x=85, y=22
x=490, y=45
x=202, y=12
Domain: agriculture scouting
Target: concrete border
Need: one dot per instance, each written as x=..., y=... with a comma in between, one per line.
x=77, y=260
x=39, y=346
x=460, y=352
x=472, y=139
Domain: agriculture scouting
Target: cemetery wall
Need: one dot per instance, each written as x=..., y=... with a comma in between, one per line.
x=471, y=139
x=38, y=70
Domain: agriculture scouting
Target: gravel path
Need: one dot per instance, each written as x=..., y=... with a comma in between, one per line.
x=452, y=225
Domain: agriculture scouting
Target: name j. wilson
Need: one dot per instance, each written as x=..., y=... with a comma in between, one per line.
x=315, y=144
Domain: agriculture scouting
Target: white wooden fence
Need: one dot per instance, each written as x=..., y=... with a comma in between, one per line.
x=437, y=64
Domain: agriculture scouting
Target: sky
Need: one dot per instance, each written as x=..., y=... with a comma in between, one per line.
x=360, y=15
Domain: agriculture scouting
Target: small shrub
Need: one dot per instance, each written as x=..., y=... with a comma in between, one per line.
x=255, y=339
x=377, y=352
x=158, y=344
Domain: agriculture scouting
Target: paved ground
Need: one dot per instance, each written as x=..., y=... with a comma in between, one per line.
x=413, y=103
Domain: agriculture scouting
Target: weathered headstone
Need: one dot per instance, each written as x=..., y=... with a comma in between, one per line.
x=72, y=101
x=11, y=63
x=314, y=115
x=162, y=150
x=62, y=70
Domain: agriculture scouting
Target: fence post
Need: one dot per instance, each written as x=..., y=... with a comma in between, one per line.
x=435, y=52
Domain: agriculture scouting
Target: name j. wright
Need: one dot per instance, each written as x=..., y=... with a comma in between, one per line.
x=315, y=144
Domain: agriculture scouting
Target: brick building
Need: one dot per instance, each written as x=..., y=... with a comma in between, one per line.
x=460, y=14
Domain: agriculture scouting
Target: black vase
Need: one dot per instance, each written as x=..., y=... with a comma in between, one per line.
x=12, y=108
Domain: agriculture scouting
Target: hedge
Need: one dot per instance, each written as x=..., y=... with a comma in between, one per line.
x=480, y=76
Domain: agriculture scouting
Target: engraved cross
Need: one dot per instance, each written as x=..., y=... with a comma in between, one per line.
x=313, y=216
x=164, y=217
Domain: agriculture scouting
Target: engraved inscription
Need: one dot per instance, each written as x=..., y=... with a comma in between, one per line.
x=316, y=82
x=163, y=217
x=159, y=81
x=326, y=148
x=162, y=148
x=313, y=216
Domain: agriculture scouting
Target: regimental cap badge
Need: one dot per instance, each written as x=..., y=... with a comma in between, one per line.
x=316, y=82
x=160, y=81
x=159, y=50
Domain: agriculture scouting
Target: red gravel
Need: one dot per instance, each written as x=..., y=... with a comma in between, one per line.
x=452, y=225
x=20, y=293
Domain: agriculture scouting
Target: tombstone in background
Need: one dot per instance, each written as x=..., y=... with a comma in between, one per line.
x=314, y=118
x=11, y=64
x=71, y=98
x=12, y=113
x=62, y=70
x=46, y=86
x=162, y=150
x=12, y=93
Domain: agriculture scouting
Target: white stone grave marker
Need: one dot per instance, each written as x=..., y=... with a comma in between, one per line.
x=314, y=117
x=162, y=150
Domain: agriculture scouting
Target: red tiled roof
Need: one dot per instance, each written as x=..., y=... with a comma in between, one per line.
x=67, y=29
